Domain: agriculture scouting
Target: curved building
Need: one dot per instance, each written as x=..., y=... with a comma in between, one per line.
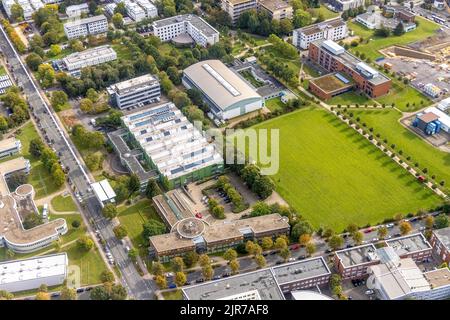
x=226, y=93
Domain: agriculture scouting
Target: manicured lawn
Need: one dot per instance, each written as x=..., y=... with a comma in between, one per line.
x=425, y=29
x=350, y=97
x=274, y=104
x=72, y=233
x=2, y=70
x=332, y=176
x=133, y=217
x=293, y=64
x=173, y=295
x=385, y=122
x=402, y=94
x=327, y=14
x=122, y=51
x=90, y=263
x=60, y=203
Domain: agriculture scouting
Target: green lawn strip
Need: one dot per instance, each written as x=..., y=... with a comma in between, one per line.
x=133, y=217
x=274, y=104
x=402, y=94
x=61, y=203
x=173, y=295
x=32, y=292
x=385, y=122
x=350, y=98
x=90, y=263
x=123, y=52
x=326, y=13
x=2, y=70
x=334, y=177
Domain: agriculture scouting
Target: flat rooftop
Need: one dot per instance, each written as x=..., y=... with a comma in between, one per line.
x=76, y=23
x=357, y=255
x=173, y=144
x=444, y=236
x=173, y=206
x=409, y=244
x=103, y=190
x=301, y=270
x=332, y=82
x=8, y=143
x=274, y=5
x=256, y=285
x=438, y=278
x=193, y=19
x=89, y=54
x=33, y=268
x=223, y=86
x=131, y=85
x=319, y=27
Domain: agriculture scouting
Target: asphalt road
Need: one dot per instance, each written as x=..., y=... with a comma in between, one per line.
x=138, y=288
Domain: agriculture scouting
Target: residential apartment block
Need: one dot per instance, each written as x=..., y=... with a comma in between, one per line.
x=28, y=6
x=277, y=9
x=334, y=58
x=89, y=57
x=440, y=240
x=9, y=147
x=31, y=273
x=188, y=25
x=344, y=5
x=335, y=30
x=77, y=10
x=134, y=92
x=137, y=10
x=236, y=7
x=86, y=27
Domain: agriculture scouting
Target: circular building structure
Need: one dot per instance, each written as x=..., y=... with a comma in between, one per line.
x=190, y=227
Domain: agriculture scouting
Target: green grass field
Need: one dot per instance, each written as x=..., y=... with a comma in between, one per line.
x=133, y=217
x=173, y=295
x=327, y=14
x=60, y=203
x=274, y=104
x=72, y=233
x=333, y=176
x=425, y=29
x=350, y=97
x=385, y=122
x=90, y=263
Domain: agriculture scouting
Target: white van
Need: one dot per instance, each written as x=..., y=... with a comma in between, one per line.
x=45, y=211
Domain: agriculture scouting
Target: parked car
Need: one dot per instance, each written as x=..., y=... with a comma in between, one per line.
x=172, y=286
x=390, y=225
x=200, y=280
x=198, y=215
x=295, y=247
x=216, y=277
x=291, y=259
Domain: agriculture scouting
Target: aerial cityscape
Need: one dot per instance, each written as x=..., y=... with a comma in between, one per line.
x=225, y=150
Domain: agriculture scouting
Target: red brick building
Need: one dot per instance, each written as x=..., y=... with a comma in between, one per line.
x=413, y=246
x=352, y=263
x=331, y=56
x=440, y=241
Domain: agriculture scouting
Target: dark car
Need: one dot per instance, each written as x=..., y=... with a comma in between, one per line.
x=216, y=277
x=79, y=290
x=200, y=280
x=273, y=252
x=279, y=262
x=226, y=274
x=265, y=254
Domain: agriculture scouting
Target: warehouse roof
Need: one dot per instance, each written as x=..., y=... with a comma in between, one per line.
x=224, y=87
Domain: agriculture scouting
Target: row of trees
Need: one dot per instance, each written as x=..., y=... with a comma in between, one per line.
x=49, y=159
x=224, y=184
x=14, y=37
x=216, y=209
x=14, y=102
x=259, y=22
x=261, y=185
x=48, y=22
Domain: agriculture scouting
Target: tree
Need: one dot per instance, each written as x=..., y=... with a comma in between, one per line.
x=304, y=239
x=358, y=237
x=310, y=248
x=260, y=261
x=405, y=227
x=204, y=260
x=250, y=247
x=92, y=95
x=16, y=12
x=300, y=228
x=36, y=147
x=46, y=75
x=134, y=184
x=266, y=243
x=133, y=254
x=234, y=266
x=178, y=264
x=336, y=242
x=86, y=105
x=230, y=255
x=16, y=179
x=280, y=243
x=118, y=292
x=152, y=227
x=32, y=220
x=260, y=208
x=68, y=294
x=58, y=176
x=94, y=161
x=352, y=228
x=286, y=26
x=157, y=268
x=99, y=293
x=399, y=29
x=92, y=7
x=5, y=295
x=190, y=259
x=285, y=253
x=42, y=296
x=59, y=100
x=301, y=18
x=107, y=276
x=152, y=189
x=208, y=272
x=55, y=50
x=382, y=232
x=33, y=61
x=429, y=222
x=109, y=211
x=441, y=221
x=85, y=243
x=120, y=231
x=180, y=279
x=117, y=20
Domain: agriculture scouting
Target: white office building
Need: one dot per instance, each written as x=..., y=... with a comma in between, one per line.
x=175, y=28
x=85, y=27
x=109, y=9
x=334, y=30
x=9, y=147
x=103, y=192
x=135, y=92
x=134, y=11
x=28, y=6
x=77, y=10
x=89, y=57
x=29, y=274
x=344, y=5
x=150, y=9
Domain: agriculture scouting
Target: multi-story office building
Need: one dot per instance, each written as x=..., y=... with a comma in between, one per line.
x=176, y=27
x=352, y=263
x=334, y=58
x=86, y=27
x=31, y=273
x=335, y=30
x=277, y=9
x=150, y=9
x=134, y=11
x=344, y=5
x=413, y=246
x=236, y=7
x=227, y=95
x=9, y=147
x=77, y=9
x=28, y=7
x=16, y=205
x=89, y=57
x=137, y=91
x=440, y=240
x=398, y=279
